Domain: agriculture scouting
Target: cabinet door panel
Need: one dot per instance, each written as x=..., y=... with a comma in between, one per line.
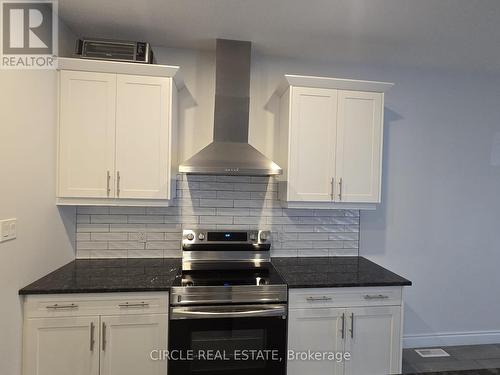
x=128, y=342
x=142, y=136
x=61, y=346
x=312, y=144
x=359, y=145
x=86, y=134
x=375, y=345
x=316, y=330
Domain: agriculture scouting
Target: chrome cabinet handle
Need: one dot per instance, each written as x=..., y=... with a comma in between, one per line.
x=108, y=177
x=103, y=336
x=60, y=307
x=118, y=183
x=140, y=304
x=92, y=336
x=343, y=325
x=376, y=296
x=332, y=192
x=340, y=188
x=352, y=325
x=322, y=298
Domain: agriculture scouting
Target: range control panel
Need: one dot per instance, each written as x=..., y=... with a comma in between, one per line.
x=211, y=237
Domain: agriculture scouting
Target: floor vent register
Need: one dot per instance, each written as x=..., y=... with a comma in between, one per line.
x=432, y=353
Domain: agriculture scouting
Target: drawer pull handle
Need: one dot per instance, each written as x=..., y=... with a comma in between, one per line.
x=322, y=298
x=58, y=307
x=376, y=296
x=127, y=304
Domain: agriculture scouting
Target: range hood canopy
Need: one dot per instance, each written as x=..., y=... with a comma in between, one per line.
x=230, y=153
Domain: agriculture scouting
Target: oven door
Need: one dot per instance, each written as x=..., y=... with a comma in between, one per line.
x=231, y=339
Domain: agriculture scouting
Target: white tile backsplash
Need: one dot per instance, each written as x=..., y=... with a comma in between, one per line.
x=215, y=202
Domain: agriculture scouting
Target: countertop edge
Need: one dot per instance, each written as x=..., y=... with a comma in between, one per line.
x=23, y=292
x=349, y=285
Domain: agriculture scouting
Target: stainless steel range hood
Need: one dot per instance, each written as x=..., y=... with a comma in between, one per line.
x=230, y=153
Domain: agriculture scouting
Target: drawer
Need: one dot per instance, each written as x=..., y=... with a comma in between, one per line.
x=55, y=305
x=345, y=297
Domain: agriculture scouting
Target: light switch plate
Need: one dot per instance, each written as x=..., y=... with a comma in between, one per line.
x=8, y=229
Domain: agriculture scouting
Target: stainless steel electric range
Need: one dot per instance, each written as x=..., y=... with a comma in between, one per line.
x=228, y=311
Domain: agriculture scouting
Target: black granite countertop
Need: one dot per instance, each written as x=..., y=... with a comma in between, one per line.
x=159, y=274
x=108, y=275
x=324, y=272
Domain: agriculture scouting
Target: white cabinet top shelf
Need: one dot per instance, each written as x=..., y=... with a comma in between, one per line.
x=104, y=66
x=331, y=83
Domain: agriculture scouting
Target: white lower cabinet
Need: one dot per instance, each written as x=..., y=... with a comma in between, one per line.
x=127, y=342
x=316, y=330
x=58, y=341
x=362, y=323
x=61, y=346
x=375, y=341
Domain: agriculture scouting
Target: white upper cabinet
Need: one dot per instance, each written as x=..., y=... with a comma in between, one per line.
x=312, y=144
x=331, y=142
x=142, y=137
x=86, y=133
x=359, y=146
x=117, y=133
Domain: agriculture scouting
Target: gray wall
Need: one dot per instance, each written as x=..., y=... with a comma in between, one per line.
x=27, y=192
x=45, y=235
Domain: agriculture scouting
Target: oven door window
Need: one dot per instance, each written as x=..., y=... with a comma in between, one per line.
x=229, y=346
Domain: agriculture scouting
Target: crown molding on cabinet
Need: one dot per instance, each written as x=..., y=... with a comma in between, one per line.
x=331, y=83
x=105, y=66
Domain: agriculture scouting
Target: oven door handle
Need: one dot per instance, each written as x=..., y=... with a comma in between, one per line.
x=212, y=312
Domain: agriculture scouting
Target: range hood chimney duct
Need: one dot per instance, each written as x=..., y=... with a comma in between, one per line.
x=230, y=153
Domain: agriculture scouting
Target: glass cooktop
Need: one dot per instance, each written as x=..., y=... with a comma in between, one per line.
x=230, y=274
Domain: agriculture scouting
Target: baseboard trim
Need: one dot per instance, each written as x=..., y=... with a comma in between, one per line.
x=451, y=338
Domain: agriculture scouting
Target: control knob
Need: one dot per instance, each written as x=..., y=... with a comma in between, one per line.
x=264, y=236
x=201, y=236
x=190, y=236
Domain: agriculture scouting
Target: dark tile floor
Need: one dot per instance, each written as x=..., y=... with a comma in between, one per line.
x=463, y=360
x=466, y=372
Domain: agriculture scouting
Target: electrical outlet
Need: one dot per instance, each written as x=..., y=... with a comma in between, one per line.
x=8, y=229
x=141, y=236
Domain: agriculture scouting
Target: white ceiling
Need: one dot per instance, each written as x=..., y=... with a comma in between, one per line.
x=437, y=33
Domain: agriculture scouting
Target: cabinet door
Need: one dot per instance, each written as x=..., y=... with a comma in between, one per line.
x=86, y=134
x=142, y=137
x=127, y=341
x=312, y=144
x=375, y=341
x=359, y=146
x=315, y=330
x=61, y=346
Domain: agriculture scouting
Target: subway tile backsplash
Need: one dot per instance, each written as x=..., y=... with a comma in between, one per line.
x=215, y=202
